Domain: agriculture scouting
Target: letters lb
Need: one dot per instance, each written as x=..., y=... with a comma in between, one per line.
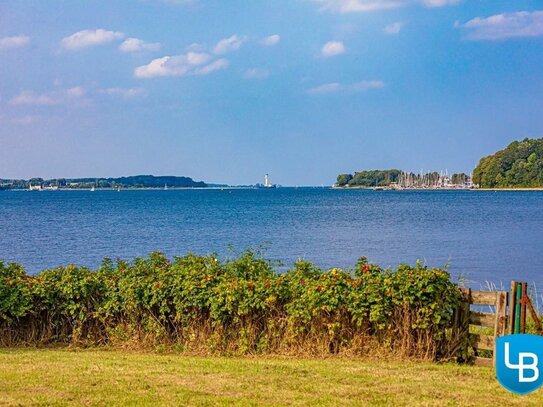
x=519, y=362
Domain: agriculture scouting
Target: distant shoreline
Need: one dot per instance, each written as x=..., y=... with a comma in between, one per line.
x=539, y=189
x=214, y=188
x=127, y=189
x=509, y=189
x=447, y=189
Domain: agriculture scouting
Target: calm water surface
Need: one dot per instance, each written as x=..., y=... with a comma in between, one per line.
x=486, y=236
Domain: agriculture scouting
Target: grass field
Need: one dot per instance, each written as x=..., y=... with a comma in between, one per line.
x=101, y=377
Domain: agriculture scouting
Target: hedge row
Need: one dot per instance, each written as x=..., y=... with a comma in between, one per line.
x=240, y=306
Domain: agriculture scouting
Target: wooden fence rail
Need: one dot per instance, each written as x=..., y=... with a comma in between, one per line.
x=496, y=320
x=509, y=317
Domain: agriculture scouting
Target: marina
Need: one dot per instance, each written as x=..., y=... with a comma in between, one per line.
x=432, y=181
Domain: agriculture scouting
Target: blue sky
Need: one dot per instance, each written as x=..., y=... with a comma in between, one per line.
x=225, y=91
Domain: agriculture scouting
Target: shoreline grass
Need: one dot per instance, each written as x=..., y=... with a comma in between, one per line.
x=109, y=377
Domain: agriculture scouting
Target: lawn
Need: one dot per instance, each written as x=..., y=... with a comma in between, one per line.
x=102, y=377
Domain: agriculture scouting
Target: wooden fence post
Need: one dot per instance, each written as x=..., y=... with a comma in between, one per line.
x=523, y=301
x=501, y=319
x=512, y=305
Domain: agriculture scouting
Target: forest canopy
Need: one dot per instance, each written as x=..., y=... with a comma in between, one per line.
x=371, y=178
x=519, y=165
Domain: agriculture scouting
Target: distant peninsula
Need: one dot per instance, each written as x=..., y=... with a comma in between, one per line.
x=519, y=165
x=131, y=182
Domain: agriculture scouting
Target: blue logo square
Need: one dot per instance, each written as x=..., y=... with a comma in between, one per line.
x=519, y=362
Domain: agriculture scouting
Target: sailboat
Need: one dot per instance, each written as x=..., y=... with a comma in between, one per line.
x=92, y=189
x=165, y=187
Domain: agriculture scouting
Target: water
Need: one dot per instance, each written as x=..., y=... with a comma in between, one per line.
x=484, y=236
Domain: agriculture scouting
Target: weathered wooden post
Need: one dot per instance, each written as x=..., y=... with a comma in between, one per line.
x=512, y=305
x=523, y=302
x=501, y=319
x=518, y=296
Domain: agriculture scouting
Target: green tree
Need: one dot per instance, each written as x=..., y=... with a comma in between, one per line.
x=520, y=164
x=343, y=179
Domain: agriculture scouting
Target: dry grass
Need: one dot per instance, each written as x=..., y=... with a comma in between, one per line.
x=100, y=377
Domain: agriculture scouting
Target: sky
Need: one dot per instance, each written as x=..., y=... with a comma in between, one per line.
x=226, y=91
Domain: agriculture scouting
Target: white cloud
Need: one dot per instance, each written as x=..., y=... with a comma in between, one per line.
x=336, y=87
x=180, y=2
x=255, y=73
x=196, y=47
x=227, y=45
x=90, y=38
x=332, y=48
x=394, y=28
x=440, y=3
x=358, y=6
x=123, y=93
x=58, y=97
x=137, y=45
x=217, y=65
x=28, y=97
x=362, y=6
x=191, y=63
x=165, y=66
x=326, y=88
x=76, y=91
x=17, y=41
x=505, y=26
x=271, y=40
x=197, y=58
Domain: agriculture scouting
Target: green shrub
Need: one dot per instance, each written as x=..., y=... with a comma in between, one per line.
x=15, y=296
x=242, y=306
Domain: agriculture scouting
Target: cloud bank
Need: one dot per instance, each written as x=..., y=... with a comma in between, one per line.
x=191, y=63
x=137, y=45
x=363, y=6
x=227, y=45
x=505, y=26
x=30, y=98
x=17, y=41
x=90, y=38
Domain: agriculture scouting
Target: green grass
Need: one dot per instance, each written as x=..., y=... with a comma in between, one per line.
x=101, y=377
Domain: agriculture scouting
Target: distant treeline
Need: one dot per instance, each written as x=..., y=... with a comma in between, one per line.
x=137, y=181
x=384, y=178
x=520, y=165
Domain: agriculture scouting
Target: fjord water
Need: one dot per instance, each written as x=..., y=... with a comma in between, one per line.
x=482, y=235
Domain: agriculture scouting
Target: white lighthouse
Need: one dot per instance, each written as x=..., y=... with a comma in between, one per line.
x=267, y=183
